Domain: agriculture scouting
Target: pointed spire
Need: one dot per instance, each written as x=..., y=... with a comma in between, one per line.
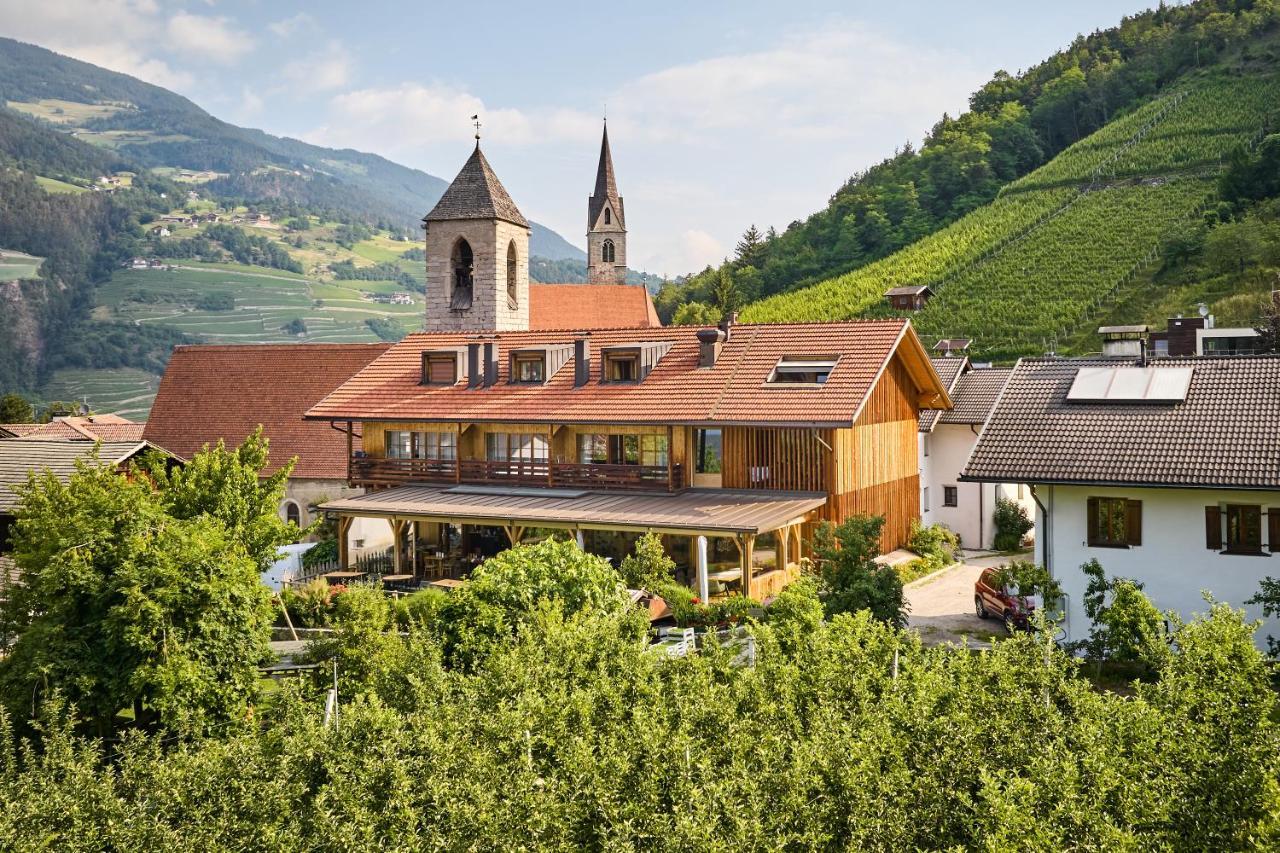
x=606, y=186
x=476, y=194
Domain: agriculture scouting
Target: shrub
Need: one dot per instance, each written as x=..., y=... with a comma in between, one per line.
x=420, y=608
x=216, y=302
x=937, y=541
x=852, y=580
x=1012, y=523
x=1029, y=578
x=797, y=611
x=310, y=604
x=648, y=567
x=1125, y=627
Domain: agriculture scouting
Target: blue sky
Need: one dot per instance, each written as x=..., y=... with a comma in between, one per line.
x=721, y=114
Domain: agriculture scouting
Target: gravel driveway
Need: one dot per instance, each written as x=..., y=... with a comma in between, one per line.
x=942, y=606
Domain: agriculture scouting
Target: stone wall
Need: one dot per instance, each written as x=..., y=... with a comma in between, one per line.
x=599, y=272
x=489, y=311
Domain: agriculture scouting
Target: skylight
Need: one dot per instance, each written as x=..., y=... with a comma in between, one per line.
x=812, y=370
x=1130, y=385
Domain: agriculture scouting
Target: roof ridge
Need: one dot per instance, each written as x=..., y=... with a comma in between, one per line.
x=733, y=373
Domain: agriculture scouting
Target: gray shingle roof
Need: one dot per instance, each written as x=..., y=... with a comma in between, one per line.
x=1226, y=433
x=606, y=187
x=19, y=457
x=975, y=395
x=948, y=370
x=476, y=194
x=908, y=290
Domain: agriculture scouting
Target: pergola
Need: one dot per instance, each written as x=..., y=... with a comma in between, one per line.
x=741, y=515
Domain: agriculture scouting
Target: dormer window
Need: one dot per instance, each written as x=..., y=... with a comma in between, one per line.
x=621, y=366
x=802, y=370
x=529, y=366
x=439, y=368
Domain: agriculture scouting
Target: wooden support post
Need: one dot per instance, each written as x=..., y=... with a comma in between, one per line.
x=344, y=554
x=671, y=486
x=748, y=553
x=582, y=544
x=397, y=544
x=349, y=451
x=783, y=539
x=514, y=533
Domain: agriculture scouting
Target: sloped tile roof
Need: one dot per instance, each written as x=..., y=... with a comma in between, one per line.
x=590, y=306
x=476, y=194
x=734, y=390
x=17, y=430
x=975, y=395
x=87, y=428
x=948, y=370
x=224, y=391
x=19, y=457
x=1224, y=434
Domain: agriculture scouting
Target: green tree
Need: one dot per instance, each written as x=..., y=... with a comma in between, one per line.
x=750, y=248
x=727, y=294
x=143, y=592
x=695, y=314
x=14, y=409
x=852, y=580
x=648, y=567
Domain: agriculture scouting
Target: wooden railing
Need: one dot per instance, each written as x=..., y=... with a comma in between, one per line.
x=520, y=472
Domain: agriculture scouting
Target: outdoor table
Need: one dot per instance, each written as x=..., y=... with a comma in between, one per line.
x=726, y=575
x=448, y=583
x=343, y=576
x=396, y=578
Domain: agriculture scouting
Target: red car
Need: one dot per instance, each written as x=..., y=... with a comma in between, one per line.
x=992, y=600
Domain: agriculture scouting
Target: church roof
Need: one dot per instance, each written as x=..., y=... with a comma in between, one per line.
x=590, y=306
x=476, y=194
x=606, y=187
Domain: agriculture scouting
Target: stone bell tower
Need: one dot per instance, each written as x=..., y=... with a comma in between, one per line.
x=606, y=225
x=477, y=255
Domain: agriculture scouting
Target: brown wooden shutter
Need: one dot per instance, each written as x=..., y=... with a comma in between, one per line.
x=1213, y=528
x=1133, y=523
x=1092, y=510
x=1273, y=528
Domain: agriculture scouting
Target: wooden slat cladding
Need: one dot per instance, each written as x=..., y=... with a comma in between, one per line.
x=898, y=502
x=892, y=398
x=792, y=459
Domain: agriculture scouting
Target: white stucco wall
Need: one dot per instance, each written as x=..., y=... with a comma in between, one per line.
x=973, y=515
x=375, y=533
x=1172, y=561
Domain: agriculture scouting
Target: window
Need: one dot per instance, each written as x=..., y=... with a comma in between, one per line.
x=512, y=289
x=608, y=216
x=1244, y=529
x=621, y=366
x=802, y=371
x=402, y=444
x=708, y=443
x=926, y=444
x=622, y=450
x=463, y=266
x=950, y=496
x=607, y=252
x=528, y=367
x=515, y=446
x=439, y=368
x=1114, y=522
x=293, y=513
x=924, y=499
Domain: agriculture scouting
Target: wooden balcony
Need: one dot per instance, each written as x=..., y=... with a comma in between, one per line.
x=368, y=471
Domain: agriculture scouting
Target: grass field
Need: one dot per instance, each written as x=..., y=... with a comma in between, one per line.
x=67, y=113
x=123, y=391
x=55, y=186
x=17, y=265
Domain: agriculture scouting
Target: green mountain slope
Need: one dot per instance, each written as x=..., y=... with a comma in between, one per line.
x=1067, y=240
x=154, y=127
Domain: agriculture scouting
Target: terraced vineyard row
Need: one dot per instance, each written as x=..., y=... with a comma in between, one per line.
x=1038, y=290
x=1040, y=259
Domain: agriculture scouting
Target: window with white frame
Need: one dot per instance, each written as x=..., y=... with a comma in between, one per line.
x=516, y=446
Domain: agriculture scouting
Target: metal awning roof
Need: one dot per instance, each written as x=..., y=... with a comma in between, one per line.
x=715, y=512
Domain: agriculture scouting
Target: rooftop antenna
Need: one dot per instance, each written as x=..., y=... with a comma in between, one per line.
x=476, y=119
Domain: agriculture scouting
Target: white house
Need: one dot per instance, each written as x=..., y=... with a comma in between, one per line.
x=1167, y=473
x=946, y=440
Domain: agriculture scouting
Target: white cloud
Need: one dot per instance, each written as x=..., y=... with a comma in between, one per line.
x=323, y=71
x=251, y=103
x=286, y=27
x=214, y=39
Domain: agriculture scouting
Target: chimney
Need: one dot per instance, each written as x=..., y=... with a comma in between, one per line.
x=473, y=366
x=581, y=362
x=490, y=364
x=709, y=343
x=726, y=325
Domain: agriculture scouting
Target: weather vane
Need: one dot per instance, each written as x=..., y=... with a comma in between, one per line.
x=476, y=118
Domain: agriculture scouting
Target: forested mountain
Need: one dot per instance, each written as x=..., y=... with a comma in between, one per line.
x=1168, y=94
x=151, y=126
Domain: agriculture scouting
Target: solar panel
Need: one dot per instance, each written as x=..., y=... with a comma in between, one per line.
x=1130, y=385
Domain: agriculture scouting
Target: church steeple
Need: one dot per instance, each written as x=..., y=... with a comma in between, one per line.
x=606, y=224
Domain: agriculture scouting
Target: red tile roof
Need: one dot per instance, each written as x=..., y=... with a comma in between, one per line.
x=213, y=391
x=79, y=428
x=735, y=390
x=590, y=306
